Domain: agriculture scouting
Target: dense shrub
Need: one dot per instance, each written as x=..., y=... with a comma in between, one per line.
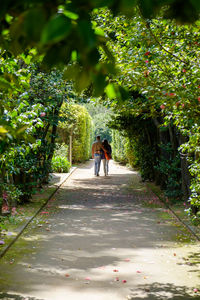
x=118, y=147
x=31, y=116
x=60, y=164
x=78, y=124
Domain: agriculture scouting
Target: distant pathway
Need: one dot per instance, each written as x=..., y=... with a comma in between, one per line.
x=98, y=240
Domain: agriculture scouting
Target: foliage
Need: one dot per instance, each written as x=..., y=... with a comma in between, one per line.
x=48, y=26
x=139, y=147
x=78, y=123
x=101, y=116
x=162, y=65
x=60, y=164
x=33, y=113
x=11, y=194
x=118, y=147
x=61, y=150
x=169, y=167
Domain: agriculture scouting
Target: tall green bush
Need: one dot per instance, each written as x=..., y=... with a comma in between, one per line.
x=79, y=124
x=119, y=147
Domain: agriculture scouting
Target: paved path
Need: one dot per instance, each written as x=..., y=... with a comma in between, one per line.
x=96, y=240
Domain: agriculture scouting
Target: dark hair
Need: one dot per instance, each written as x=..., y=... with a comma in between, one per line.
x=105, y=142
x=98, y=137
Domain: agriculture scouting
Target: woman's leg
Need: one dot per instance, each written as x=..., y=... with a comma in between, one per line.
x=104, y=166
x=107, y=166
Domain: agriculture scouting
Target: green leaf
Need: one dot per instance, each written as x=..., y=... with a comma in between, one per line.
x=56, y=29
x=56, y=55
x=87, y=33
x=22, y=129
x=108, y=53
x=99, y=85
x=111, y=91
x=3, y=130
x=71, y=72
x=34, y=22
x=4, y=84
x=99, y=31
x=71, y=15
x=83, y=81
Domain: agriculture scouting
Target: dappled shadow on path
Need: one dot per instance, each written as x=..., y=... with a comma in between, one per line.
x=97, y=226
x=159, y=291
x=11, y=296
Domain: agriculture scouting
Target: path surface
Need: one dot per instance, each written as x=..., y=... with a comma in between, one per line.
x=96, y=240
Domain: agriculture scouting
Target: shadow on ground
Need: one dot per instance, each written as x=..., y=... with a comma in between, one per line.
x=6, y=296
x=90, y=230
x=158, y=291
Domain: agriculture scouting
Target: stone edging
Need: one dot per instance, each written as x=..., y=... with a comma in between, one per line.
x=3, y=252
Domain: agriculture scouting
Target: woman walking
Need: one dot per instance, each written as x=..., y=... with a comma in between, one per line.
x=106, y=156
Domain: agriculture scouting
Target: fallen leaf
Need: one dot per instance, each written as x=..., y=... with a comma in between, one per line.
x=67, y=275
x=88, y=278
x=127, y=259
x=174, y=254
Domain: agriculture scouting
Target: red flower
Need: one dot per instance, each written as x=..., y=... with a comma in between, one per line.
x=42, y=114
x=172, y=94
x=199, y=98
x=162, y=106
x=184, y=70
x=147, y=53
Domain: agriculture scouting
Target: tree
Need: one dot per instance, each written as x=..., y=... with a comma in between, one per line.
x=63, y=32
x=161, y=66
x=33, y=116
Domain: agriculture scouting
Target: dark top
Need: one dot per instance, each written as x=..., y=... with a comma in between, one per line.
x=108, y=149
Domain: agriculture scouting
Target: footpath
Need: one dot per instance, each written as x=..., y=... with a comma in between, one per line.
x=102, y=238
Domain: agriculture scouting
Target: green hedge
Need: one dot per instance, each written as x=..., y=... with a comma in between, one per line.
x=77, y=122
